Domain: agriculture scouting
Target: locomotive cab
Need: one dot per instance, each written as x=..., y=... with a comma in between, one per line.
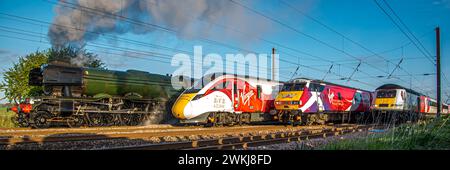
x=390, y=99
x=184, y=105
x=178, y=109
x=289, y=96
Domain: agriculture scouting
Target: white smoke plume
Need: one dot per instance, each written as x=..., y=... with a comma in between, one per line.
x=81, y=21
x=80, y=60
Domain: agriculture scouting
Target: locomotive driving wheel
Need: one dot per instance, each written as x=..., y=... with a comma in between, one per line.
x=108, y=119
x=129, y=119
x=75, y=121
x=41, y=119
x=95, y=119
x=22, y=120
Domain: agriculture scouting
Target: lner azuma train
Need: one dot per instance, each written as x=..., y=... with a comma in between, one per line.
x=307, y=101
x=79, y=96
x=225, y=99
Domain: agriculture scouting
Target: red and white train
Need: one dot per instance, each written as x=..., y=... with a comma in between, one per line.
x=313, y=101
x=231, y=99
x=397, y=102
x=226, y=99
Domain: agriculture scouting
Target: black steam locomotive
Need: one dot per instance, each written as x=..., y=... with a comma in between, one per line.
x=78, y=96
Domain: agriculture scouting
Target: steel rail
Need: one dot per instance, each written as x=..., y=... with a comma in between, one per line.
x=247, y=141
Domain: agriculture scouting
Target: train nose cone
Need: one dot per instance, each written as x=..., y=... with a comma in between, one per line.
x=180, y=105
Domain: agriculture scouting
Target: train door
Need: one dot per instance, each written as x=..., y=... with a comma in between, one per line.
x=366, y=101
x=358, y=103
x=235, y=96
x=319, y=88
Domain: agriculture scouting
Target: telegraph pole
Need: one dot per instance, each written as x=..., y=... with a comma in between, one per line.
x=273, y=64
x=438, y=69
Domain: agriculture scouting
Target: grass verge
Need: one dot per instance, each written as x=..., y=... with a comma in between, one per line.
x=6, y=118
x=433, y=134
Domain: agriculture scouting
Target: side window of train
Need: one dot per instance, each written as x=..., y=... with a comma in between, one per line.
x=226, y=84
x=357, y=97
x=258, y=91
x=339, y=96
x=320, y=87
x=220, y=86
x=311, y=87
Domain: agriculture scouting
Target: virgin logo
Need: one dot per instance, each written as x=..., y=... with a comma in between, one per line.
x=330, y=96
x=245, y=98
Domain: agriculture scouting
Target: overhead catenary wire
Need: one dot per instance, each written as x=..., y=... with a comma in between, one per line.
x=407, y=29
x=203, y=38
x=342, y=35
x=403, y=31
x=287, y=61
x=149, y=24
x=312, y=68
x=307, y=35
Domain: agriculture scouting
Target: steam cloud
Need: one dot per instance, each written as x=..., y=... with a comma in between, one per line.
x=76, y=20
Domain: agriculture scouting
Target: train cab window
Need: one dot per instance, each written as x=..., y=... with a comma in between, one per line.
x=316, y=87
x=313, y=87
x=258, y=91
x=386, y=93
x=196, y=87
x=299, y=87
x=294, y=87
x=287, y=87
x=339, y=96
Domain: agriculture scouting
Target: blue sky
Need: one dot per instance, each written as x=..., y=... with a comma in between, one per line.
x=360, y=20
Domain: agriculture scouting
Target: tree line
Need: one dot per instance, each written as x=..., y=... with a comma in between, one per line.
x=15, y=79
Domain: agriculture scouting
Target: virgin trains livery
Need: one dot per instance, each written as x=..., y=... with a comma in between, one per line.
x=315, y=102
x=226, y=99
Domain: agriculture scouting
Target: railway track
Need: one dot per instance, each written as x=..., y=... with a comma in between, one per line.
x=170, y=137
x=243, y=142
x=24, y=136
